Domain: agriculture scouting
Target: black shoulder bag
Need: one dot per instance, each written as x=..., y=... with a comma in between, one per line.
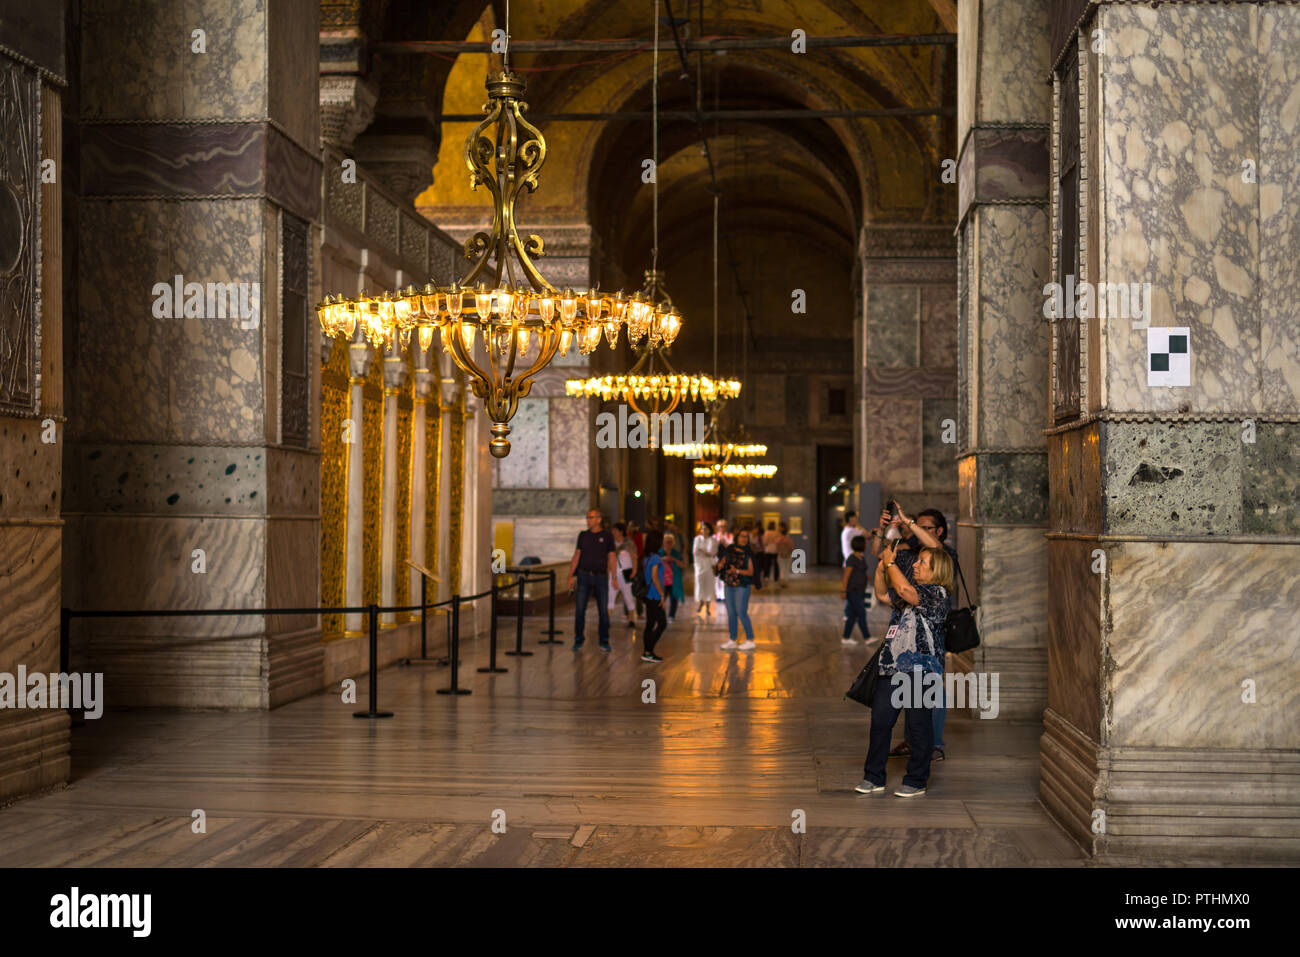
x=864, y=685
x=960, y=633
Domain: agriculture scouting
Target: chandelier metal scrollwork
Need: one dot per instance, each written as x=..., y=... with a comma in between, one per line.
x=523, y=320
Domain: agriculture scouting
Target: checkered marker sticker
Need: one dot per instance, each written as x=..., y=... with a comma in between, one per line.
x=1169, y=357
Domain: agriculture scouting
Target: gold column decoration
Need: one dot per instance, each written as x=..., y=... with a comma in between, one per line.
x=434, y=489
x=334, y=488
x=401, y=571
x=457, y=489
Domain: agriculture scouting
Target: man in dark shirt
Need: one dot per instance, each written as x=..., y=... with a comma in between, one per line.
x=594, y=564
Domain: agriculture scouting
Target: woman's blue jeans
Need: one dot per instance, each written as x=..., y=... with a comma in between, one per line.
x=737, y=599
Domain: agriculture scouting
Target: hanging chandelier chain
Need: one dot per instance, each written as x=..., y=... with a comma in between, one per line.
x=654, y=134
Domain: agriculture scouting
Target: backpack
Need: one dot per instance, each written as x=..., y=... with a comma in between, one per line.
x=640, y=590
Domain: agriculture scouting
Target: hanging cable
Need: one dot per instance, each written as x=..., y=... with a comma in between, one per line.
x=654, y=107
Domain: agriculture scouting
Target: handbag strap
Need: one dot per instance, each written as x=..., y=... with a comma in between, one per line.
x=962, y=579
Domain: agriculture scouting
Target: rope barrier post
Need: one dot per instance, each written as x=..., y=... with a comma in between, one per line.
x=372, y=712
x=492, y=668
x=519, y=622
x=454, y=653
x=550, y=631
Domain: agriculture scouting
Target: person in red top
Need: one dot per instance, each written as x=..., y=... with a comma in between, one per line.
x=638, y=538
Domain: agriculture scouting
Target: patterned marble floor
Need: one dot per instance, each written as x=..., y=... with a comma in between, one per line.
x=564, y=749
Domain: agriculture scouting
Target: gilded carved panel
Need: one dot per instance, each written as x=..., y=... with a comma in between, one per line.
x=402, y=580
x=19, y=231
x=333, y=491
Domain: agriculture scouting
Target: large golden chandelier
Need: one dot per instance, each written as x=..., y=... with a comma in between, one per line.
x=522, y=318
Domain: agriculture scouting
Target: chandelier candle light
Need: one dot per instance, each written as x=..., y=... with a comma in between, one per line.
x=523, y=320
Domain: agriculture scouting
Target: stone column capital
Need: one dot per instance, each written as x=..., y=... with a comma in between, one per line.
x=359, y=356
x=347, y=105
x=424, y=380
x=394, y=372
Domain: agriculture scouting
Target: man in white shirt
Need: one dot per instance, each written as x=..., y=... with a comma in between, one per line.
x=851, y=531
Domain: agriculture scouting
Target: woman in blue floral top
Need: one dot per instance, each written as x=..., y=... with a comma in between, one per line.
x=914, y=644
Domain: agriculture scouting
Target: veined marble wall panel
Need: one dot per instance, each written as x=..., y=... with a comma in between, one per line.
x=29, y=613
x=893, y=440
x=293, y=483
x=31, y=477
x=1013, y=586
x=968, y=37
x=157, y=479
x=939, y=327
x=939, y=458
x=228, y=80
x=507, y=502
x=570, y=458
x=214, y=364
x=292, y=572
x=1013, y=264
x=550, y=538
x=1189, y=623
x=1074, y=634
x=1271, y=480
x=143, y=561
x=293, y=68
x=893, y=325
x=1011, y=488
x=1179, y=114
x=1279, y=166
x=528, y=464
x=1074, y=468
x=1010, y=85
x=119, y=347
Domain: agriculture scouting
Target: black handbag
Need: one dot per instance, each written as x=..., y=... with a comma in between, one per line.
x=864, y=685
x=960, y=633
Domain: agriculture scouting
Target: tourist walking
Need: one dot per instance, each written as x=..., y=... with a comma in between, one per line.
x=914, y=644
x=854, y=591
x=620, y=583
x=784, y=549
x=675, y=567
x=736, y=571
x=704, y=553
x=723, y=538
x=590, y=570
x=771, y=539
x=652, y=568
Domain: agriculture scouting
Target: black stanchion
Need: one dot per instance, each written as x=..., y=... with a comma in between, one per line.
x=492, y=668
x=424, y=627
x=550, y=631
x=373, y=611
x=455, y=687
x=519, y=622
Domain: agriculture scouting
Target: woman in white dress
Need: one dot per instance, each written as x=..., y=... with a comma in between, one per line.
x=720, y=541
x=704, y=552
x=625, y=555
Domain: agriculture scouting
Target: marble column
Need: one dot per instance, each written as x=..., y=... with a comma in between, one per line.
x=448, y=473
x=359, y=358
x=424, y=383
x=394, y=379
x=1174, y=556
x=193, y=420
x=909, y=366
x=1003, y=346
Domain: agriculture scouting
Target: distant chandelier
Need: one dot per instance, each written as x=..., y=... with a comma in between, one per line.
x=712, y=450
x=646, y=388
x=736, y=470
x=507, y=313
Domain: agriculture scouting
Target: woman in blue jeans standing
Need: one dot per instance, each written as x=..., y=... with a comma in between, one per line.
x=736, y=569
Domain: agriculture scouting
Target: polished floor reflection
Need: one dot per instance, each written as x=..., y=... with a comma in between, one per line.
x=583, y=771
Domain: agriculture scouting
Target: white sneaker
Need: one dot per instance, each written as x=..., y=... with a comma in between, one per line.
x=729, y=646
x=747, y=646
x=848, y=641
